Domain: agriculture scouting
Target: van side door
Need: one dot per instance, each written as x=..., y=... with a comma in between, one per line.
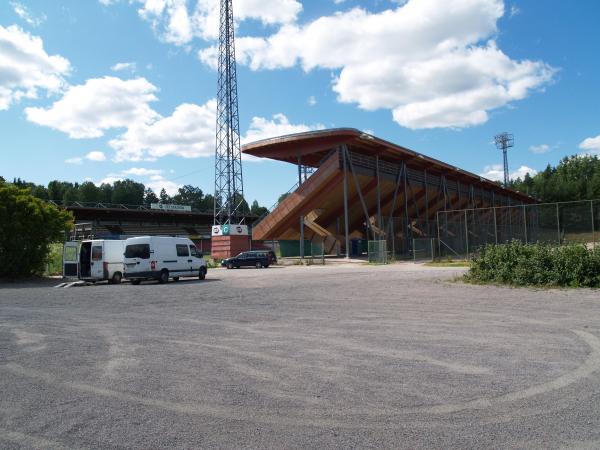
x=196, y=259
x=97, y=264
x=184, y=261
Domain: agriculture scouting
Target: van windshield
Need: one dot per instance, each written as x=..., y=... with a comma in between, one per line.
x=138, y=251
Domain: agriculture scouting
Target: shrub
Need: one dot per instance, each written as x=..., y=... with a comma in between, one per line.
x=28, y=226
x=536, y=265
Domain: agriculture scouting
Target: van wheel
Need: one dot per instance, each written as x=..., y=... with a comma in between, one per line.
x=230, y=266
x=116, y=278
x=258, y=265
x=202, y=274
x=163, y=277
x=136, y=282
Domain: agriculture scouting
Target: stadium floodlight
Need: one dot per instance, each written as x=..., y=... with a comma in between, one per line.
x=504, y=141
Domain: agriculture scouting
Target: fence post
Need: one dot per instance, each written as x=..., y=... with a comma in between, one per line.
x=495, y=227
x=432, y=247
x=467, y=233
x=525, y=223
x=437, y=225
x=593, y=225
x=558, y=223
x=302, y=237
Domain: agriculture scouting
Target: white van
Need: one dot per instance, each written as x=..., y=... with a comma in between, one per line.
x=101, y=259
x=161, y=258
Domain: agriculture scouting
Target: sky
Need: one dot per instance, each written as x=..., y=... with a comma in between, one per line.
x=103, y=90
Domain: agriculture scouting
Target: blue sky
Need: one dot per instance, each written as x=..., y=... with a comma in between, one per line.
x=107, y=89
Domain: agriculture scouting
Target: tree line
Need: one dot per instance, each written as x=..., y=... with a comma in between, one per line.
x=573, y=178
x=127, y=192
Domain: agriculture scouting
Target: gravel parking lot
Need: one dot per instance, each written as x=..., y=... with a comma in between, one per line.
x=300, y=357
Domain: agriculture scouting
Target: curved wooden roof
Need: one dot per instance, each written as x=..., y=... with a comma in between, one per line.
x=314, y=146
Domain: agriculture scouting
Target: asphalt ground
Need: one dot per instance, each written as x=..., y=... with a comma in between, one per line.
x=300, y=357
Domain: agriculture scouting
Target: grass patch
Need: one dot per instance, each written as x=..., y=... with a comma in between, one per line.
x=540, y=265
x=448, y=264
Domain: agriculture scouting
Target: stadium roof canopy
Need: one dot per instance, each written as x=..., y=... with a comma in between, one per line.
x=385, y=184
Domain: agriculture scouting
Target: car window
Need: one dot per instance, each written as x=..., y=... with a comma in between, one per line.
x=182, y=250
x=138, y=251
x=194, y=250
x=96, y=253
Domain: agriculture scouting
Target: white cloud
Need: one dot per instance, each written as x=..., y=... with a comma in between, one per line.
x=152, y=178
x=26, y=68
x=522, y=171
x=142, y=172
x=591, y=145
x=261, y=128
x=24, y=13
x=96, y=156
x=432, y=63
x=176, y=22
x=125, y=66
x=110, y=179
x=87, y=110
x=157, y=183
x=312, y=101
x=539, y=149
x=495, y=172
x=189, y=132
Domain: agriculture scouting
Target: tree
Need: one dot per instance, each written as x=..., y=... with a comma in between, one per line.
x=89, y=193
x=164, y=197
x=128, y=192
x=190, y=195
x=56, y=189
x=282, y=197
x=258, y=210
x=574, y=178
x=149, y=197
x=106, y=192
x=28, y=226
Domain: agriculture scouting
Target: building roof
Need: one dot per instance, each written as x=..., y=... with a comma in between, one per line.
x=314, y=146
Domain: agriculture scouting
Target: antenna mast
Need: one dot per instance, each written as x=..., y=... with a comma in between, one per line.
x=229, y=189
x=504, y=141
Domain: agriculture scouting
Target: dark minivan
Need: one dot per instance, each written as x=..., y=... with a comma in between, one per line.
x=256, y=259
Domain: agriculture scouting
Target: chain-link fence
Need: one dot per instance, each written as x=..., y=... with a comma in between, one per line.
x=378, y=253
x=424, y=249
x=462, y=232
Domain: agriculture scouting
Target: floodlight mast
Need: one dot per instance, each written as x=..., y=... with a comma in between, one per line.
x=504, y=141
x=229, y=189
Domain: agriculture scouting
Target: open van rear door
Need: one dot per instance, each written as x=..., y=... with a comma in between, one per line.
x=70, y=260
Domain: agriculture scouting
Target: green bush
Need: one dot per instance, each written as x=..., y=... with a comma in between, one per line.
x=28, y=226
x=536, y=265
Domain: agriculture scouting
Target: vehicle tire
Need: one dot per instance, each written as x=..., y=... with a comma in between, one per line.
x=266, y=266
x=259, y=265
x=136, y=282
x=230, y=266
x=175, y=278
x=116, y=278
x=163, y=277
x=202, y=273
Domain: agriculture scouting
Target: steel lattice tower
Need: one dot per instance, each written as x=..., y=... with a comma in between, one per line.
x=504, y=141
x=229, y=189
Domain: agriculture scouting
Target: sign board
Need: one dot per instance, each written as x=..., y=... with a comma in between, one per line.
x=167, y=207
x=230, y=230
